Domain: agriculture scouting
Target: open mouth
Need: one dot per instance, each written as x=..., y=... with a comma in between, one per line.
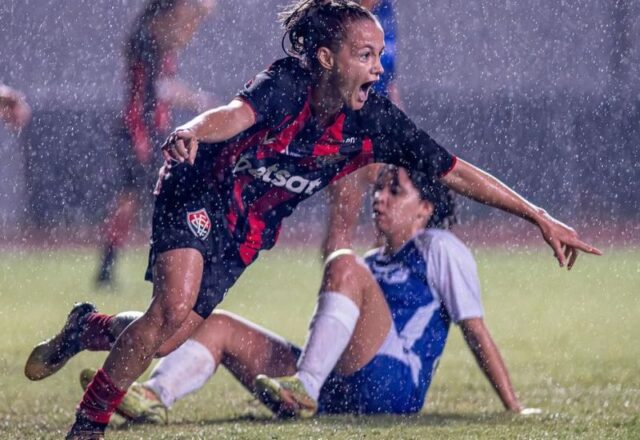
x=363, y=92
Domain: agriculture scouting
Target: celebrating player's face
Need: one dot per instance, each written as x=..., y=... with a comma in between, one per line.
x=357, y=64
x=398, y=210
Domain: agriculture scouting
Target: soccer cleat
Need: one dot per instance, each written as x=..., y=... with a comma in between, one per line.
x=140, y=405
x=49, y=356
x=85, y=429
x=285, y=396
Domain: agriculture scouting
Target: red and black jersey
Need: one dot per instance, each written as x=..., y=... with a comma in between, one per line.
x=261, y=175
x=146, y=116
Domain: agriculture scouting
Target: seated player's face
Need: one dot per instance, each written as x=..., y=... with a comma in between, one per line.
x=357, y=64
x=398, y=210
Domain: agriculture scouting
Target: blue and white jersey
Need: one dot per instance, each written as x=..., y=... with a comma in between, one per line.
x=431, y=281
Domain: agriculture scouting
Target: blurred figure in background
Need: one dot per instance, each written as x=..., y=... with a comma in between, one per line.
x=161, y=30
x=14, y=110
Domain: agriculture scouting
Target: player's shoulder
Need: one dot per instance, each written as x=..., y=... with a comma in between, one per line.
x=378, y=113
x=376, y=103
x=289, y=72
x=441, y=241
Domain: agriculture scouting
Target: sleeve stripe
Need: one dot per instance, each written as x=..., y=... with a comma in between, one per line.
x=454, y=161
x=250, y=104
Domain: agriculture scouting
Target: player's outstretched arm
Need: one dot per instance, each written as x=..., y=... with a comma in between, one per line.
x=215, y=125
x=488, y=357
x=484, y=188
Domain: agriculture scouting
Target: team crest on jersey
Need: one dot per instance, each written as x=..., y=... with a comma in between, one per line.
x=199, y=223
x=392, y=273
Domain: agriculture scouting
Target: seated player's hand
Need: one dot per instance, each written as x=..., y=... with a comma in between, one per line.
x=181, y=146
x=530, y=411
x=563, y=240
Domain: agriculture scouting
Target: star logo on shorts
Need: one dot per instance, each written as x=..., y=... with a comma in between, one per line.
x=199, y=223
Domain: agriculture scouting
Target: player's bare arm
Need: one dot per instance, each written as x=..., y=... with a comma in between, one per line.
x=472, y=182
x=488, y=357
x=215, y=125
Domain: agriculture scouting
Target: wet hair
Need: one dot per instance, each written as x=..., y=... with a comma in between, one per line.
x=443, y=199
x=311, y=24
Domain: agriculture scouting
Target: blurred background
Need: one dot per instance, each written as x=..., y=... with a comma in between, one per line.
x=544, y=95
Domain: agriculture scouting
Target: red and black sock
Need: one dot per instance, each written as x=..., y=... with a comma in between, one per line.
x=100, y=400
x=96, y=333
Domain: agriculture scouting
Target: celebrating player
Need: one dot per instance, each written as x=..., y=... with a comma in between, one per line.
x=306, y=121
x=379, y=328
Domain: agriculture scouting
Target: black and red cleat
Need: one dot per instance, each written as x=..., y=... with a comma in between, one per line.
x=86, y=429
x=49, y=356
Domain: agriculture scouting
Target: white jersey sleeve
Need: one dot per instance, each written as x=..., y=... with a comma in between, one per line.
x=452, y=274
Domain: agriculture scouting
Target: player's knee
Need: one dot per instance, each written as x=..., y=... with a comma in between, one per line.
x=345, y=275
x=169, y=319
x=122, y=320
x=220, y=323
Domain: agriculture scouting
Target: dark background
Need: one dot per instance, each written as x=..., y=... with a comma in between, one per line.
x=544, y=95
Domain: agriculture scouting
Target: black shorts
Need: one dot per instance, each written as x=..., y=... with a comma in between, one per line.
x=188, y=214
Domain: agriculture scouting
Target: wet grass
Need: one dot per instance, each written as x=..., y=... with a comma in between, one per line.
x=570, y=341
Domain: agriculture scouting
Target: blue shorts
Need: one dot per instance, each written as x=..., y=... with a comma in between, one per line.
x=383, y=386
x=187, y=214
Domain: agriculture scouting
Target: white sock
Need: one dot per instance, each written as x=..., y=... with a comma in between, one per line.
x=330, y=331
x=181, y=372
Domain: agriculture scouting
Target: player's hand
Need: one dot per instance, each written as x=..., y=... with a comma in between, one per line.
x=163, y=174
x=563, y=240
x=180, y=146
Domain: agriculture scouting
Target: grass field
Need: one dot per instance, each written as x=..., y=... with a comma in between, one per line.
x=571, y=341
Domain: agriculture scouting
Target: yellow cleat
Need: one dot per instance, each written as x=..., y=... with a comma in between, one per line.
x=139, y=406
x=285, y=396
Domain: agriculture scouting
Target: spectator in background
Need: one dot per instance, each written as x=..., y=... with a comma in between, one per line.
x=161, y=30
x=14, y=110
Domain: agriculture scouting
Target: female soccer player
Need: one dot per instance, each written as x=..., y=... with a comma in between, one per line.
x=379, y=328
x=307, y=120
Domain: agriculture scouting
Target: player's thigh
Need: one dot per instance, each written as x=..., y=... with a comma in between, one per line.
x=245, y=348
x=177, y=275
x=372, y=327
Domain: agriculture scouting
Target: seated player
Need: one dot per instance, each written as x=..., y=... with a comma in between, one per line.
x=378, y=331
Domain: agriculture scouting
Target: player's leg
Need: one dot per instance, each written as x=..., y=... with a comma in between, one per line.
x=87, y=329
x=117, y=227
x=84, y=329
x=243, y=347
x=350, y=324
x=177, y=276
